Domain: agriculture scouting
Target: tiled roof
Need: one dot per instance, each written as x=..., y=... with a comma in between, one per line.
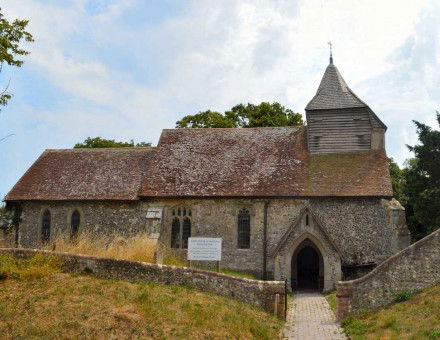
x=84, y=174
x=258, y=162
x=333, y=93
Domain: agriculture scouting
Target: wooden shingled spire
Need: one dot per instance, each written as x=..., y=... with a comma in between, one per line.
x=338, y=121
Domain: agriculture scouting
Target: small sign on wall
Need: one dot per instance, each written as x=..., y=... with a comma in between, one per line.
x=204, y=249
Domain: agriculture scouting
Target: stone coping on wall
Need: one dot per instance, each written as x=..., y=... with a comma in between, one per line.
x=410, y=270
x=255, y=292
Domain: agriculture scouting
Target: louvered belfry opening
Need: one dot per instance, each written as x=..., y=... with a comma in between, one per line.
x=338, y=121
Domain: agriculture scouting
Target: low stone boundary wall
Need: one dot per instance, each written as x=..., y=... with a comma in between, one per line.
x=414, y=268
x=254, y=292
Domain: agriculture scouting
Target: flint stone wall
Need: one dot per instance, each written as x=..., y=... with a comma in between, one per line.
x=359, y=227
x=254, y=292
x=414, y=268
x=97, y=217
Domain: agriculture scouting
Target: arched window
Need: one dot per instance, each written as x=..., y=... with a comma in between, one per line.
x=75, y=221
x=175, y=233
x=45, y=226
x=244, y=229
x=180, y=227
x=186, y=232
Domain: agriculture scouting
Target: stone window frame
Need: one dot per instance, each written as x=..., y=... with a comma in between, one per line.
x=180, y=213
x=43, y=238
x=251, y=210
x=241, y=242
x=69, y=220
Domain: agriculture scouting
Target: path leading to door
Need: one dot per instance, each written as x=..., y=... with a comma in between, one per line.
x=309, y=317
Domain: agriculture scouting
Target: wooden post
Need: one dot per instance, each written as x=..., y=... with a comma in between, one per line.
x=277, y=301
x=218, y=266
x=189, y=263
x=285, y=299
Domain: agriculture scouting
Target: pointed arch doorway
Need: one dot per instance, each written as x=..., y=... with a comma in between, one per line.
x=307, y=267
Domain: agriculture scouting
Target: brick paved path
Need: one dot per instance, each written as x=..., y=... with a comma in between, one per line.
x=309, y=317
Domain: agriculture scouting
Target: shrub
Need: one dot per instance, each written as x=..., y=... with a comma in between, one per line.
x=6, y=218
x=403, y=296
x=434, y=334
x=353, y=326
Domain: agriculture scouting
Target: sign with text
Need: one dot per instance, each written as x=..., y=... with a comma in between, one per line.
x=204, y=249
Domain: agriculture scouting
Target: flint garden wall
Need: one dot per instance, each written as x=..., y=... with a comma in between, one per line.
x=414, y=268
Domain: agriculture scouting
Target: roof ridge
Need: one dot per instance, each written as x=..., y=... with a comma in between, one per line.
x=103, y=149
x=234, y=128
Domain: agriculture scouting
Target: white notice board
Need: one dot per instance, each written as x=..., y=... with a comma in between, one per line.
x=204, y=249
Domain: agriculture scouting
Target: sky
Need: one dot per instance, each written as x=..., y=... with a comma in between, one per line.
x=126, y=69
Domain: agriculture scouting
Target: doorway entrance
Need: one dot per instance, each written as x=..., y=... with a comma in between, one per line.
x=307, y=267
x=307, y=263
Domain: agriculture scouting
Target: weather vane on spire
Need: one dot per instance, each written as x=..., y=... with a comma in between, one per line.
x=331, y=52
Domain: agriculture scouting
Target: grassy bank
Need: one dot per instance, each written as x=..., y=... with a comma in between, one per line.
x=38, y=301
x=331, y=299
x=414, y=317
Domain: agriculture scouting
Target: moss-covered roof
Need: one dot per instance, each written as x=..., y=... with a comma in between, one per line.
x=259, y=162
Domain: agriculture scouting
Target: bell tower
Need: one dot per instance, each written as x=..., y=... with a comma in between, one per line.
x=338, y=121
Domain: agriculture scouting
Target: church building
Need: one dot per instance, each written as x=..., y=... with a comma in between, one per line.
x=311, y=204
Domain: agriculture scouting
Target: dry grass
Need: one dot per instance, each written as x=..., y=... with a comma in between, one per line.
x=137, y=248
x=417, y=318
x=66, y=306
x=28, y=269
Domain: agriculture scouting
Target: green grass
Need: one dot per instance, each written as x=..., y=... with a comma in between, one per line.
x=331, y=299
x=238, y=274
x=172, y=259
x=55, y=305
x=415, y=317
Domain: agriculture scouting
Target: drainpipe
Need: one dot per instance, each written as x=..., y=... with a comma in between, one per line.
x=266, y=205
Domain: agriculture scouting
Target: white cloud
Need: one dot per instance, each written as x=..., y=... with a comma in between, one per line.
x=219, y=53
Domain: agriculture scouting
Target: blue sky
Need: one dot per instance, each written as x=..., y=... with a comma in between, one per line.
x=127, y=69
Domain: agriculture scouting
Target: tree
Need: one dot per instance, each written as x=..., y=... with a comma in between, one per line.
x=398, y=181
x=6, y=218
x=246, y=116
x=12, y=35
x=99, y=142
x=428, y=152
x=206, y=119
x=422, y=176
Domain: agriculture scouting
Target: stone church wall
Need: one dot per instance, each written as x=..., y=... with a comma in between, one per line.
x=218, y=218
x=126, y=218
x=359, y=227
